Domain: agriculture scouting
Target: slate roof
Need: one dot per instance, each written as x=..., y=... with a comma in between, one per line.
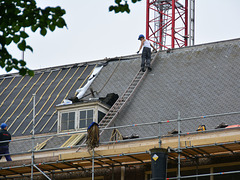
x=50, y=85
x=195, y=81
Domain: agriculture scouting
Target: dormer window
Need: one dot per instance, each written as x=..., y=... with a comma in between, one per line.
x=79, y=116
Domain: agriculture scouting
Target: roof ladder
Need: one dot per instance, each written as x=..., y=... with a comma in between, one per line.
x=121, y=101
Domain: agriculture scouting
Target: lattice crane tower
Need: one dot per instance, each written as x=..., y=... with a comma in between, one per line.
x=167, y=23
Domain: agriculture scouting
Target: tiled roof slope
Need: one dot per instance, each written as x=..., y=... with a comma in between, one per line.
x=51, y=86
x=116, y=75
x=195, y=81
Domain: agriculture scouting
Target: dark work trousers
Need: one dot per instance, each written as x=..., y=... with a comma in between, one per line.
x=5, y=150
x=146, y=57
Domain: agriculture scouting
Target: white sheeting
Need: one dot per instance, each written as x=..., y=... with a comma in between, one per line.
x=65, y=102
x=94, y=74
x=82, y=90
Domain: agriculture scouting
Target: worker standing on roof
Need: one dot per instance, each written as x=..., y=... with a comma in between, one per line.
x=146, y=53
x=4, y=146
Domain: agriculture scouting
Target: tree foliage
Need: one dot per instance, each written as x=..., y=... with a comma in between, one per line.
x=15, y=16
x=121, y=6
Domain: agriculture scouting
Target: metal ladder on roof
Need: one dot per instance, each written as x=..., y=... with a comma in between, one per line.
x=121, y=101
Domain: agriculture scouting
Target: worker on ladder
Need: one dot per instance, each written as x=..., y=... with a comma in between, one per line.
x=146, y=53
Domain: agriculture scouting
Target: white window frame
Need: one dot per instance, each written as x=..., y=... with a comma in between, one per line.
x=60, y=122
x=95, y=106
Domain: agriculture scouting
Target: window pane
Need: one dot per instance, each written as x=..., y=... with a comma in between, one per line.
x=82, y=123
x=82, y=114
x=64, y=121
x=64, y=125
x=89, y=121
x=68, y=121
x=72, y=116
x=71, y=124
x=64, y=117
x=90, y=114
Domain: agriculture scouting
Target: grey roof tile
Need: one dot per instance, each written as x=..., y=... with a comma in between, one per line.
x=195, y=81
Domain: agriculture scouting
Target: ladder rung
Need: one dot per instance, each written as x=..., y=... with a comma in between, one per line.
x=118, y=103
x=108, y=116
x=105, y=122
x=111, y=114
x=116, y=107
x=134, y=83
x=130, y=88
x=113, y=111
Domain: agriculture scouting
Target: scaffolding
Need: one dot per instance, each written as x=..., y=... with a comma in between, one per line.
x=176, y=153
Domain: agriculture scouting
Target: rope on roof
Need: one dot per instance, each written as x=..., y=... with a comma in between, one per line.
x=110, y=76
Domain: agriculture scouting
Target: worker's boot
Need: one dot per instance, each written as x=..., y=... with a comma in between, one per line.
x=149, y=68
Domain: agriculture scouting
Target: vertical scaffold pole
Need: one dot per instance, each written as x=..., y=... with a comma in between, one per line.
x=192, y=23
x=93, y=165
x=179, y=146
x=147, y=19
x=186, y=23
x=33, y=138
x=159, y=134
x=173, y=23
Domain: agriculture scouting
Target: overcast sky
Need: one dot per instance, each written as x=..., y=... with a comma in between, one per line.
x=95, y=33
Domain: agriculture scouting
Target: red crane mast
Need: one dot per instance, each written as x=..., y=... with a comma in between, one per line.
x=167, y=23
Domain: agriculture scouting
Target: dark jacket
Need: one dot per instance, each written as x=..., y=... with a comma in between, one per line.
x=4, y=136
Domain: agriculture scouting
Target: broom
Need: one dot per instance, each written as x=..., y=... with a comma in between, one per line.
x=92, y=136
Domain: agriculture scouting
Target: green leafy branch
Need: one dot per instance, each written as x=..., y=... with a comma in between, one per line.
x=15, y=16
x=121, y=7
